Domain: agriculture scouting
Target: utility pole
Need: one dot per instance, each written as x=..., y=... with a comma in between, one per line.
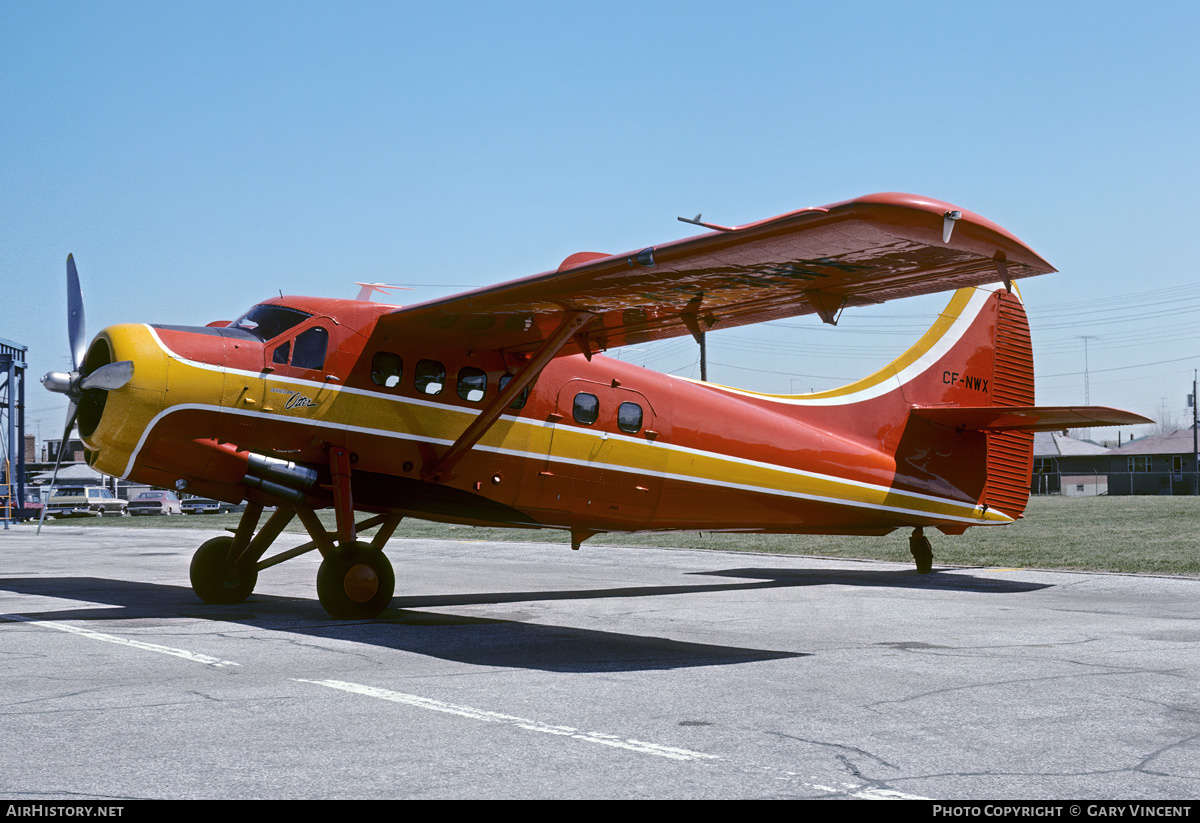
x=1087, y=392
x=1195, y=426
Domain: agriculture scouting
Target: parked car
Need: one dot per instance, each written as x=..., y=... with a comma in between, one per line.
x=206, y=505
x=81, y=501
x=201, y=505
x=32, y=508
x=155, y=502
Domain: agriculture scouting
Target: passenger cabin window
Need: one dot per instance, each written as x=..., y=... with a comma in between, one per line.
x=520, y=399
x=310, y=348
x=629, y=417
x=472, y=383
x=386, y=369
x=430, y=377
x=586, y=408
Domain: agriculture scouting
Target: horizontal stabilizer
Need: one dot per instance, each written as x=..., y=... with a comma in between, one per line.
x=1027, y=418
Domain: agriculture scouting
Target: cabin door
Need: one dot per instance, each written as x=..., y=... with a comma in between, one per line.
x=603, y=460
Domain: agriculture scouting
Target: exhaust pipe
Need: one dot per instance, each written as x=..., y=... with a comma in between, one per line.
x=279, y=478
x=290, y=474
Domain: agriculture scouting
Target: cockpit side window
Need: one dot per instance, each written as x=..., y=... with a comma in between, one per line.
x=310, y=348
x=267, y=322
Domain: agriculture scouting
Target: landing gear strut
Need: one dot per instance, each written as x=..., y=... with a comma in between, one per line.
x=921, y=550
x=355, y=580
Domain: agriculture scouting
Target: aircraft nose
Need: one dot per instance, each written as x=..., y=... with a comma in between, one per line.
x=100, y=374
x=120, y=386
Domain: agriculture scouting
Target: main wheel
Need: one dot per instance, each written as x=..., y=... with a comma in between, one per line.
x=208, y=574
x=357, y=583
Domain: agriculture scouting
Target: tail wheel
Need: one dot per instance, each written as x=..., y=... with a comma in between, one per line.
x=357, y=583
x=209, y=580
x=921, y=550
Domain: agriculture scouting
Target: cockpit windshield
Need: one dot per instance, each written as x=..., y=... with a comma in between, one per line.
x=267, y=322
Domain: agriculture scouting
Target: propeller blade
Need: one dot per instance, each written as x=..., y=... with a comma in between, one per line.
x=76, y=334
x=72, y=413
x=112, y=376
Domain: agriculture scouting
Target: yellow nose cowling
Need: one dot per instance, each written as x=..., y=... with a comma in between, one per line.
x=128, y=412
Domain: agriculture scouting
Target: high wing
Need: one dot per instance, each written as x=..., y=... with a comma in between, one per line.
x=815, y=260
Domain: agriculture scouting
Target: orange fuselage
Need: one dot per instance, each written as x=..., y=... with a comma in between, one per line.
x=597, y=445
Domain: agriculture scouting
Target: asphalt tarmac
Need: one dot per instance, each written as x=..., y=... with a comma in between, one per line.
x=510, y=670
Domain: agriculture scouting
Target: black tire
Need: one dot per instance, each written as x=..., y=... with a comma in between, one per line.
x=357, y=583
x=922, y=551
x=208, y=574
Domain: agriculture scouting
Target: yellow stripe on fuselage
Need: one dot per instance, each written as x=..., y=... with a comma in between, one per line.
x=377, y=414
x=949, y=327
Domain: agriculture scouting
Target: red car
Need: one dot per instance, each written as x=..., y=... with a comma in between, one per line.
x=155, y=502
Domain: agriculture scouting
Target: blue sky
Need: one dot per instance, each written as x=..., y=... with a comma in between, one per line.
x=199, y=157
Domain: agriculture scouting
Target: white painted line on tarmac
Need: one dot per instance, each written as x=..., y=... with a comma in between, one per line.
x=215, y=662
x=639, y=746
x=520, y=722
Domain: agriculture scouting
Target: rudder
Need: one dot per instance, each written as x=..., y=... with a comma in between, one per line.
x=1010, y=453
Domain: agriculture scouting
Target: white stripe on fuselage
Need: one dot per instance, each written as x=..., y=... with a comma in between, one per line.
x=952, y=335
x=701, y=480
x=886, y=384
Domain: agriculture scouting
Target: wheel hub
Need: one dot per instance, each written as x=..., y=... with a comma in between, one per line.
x=361, y=583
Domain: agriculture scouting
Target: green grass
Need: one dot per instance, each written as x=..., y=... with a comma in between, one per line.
x=1153, y=535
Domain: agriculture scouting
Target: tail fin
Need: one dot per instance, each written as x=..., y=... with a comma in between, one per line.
x=977, y=355
x=970, y=389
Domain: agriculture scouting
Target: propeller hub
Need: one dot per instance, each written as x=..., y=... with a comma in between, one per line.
x=60, y=382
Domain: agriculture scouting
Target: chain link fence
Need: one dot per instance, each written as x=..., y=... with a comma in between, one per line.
x=1116, y=483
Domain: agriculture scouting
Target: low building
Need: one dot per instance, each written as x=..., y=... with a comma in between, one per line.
x=1160, y=464
x=76, y=474
x=1068, y=466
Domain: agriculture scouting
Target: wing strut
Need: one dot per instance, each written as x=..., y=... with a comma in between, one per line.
x=573, y=323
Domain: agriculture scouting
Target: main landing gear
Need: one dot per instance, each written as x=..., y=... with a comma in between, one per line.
x=355, y=580
x=217, y=581
x=921, y=550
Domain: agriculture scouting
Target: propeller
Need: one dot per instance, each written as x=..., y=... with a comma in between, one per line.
x=108, y=377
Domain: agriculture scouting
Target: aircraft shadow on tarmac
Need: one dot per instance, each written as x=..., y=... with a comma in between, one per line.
x=408, y=626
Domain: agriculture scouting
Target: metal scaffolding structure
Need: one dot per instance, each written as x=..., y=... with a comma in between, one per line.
x=12, y=428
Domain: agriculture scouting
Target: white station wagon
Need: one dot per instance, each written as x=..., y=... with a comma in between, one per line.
x=79, y=501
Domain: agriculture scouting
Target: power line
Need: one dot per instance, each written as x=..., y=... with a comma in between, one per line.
x=1121, y=368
